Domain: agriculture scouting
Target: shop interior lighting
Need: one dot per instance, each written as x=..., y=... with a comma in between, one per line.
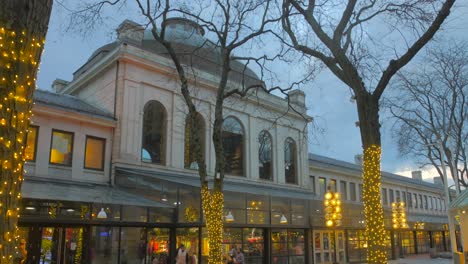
x=102, y=214
x=283, y=219
x=229, y=217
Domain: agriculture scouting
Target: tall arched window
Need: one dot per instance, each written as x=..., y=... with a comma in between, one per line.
x=290, y=163
x=190, y=161
x=154, y=133
x=265, y=165
x=233, y=144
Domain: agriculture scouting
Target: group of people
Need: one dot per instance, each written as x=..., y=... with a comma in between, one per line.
x=235, y=256
x=184, y=257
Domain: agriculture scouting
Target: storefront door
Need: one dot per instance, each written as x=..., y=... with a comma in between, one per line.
x=323, y=246
x=58, y=246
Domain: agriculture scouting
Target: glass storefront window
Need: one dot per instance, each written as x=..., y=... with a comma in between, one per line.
x=297, y=212
x=104, y=245
x=234, y=203
x=134, y=214
x=280, y=211
x=253, y=245
x=161, y=215
x=189, y=207
x=157, y=246
x=258, y=210
x=112, y=212
x=357, y=246
x=189, y=238
x=287, y=246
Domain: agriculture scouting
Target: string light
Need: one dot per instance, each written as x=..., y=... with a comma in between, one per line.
x=375, y=231
x=19, y=56
x=213, y=203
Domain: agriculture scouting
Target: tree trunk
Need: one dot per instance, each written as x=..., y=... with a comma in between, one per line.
x=23, y=26
x=368, y=111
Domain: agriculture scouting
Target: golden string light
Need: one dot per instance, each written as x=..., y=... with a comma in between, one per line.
x=213, y=203
x=19, y=55
x=375, y=231
x=332, y=209
x=399, y=215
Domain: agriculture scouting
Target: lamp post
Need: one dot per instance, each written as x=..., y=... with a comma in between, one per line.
x=399, y=221
x=332, y=203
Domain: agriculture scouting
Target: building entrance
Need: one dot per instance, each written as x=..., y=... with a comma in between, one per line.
x=323, y=246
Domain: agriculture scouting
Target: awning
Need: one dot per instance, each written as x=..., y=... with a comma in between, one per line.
x=461, y=201
x=427, y=219
x=46, y=190
x=139, y=177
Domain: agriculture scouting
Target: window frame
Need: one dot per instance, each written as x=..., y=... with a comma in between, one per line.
x=271, y=155
x=352, y=192
x=244, y=148
x=295, y=159
x=71, y=151
x=164, y=143
x=35, y=142
x=103, y=153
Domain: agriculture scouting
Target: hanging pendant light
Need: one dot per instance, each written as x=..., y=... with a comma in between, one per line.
x=102, y=214
x=229, y=217
x=164, y=197
x=283, y=219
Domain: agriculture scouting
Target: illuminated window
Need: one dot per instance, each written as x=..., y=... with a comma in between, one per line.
x=154, y=131
x=31, y=143
x=333, y=185
x=290, y=161
x=233, y=145
x=343, y=190
x=322, y=186
x=265, y=165
x=190, y=161
x=61, y=150
x=94, y=153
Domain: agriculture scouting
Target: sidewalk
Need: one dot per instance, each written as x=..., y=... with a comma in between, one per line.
x=421, y=259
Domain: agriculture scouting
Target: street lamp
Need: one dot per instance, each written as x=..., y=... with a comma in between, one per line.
x=399, y=221
x=332, y=203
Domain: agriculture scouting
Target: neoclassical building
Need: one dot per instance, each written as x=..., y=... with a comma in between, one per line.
x=111, y=179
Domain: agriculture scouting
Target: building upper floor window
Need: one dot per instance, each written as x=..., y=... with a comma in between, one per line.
x=425, y=202
x=265, y=156
x=392, y=198
x=403, y=197
x=61, y=150
x=290, y=161
x=352, y=191
x=233, y=145
x=31, y=143
x=312, y=184
x=360, y=192
x=333, y=185
x=343, y=190
x=154, y=130
x=322, y=186
x=190, y=160
x=397, y=194
x=384, y=196
x=420, y=201
x=94, y=153
x=410, y=200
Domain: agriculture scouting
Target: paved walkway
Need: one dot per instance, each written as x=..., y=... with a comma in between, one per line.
x=421, y=259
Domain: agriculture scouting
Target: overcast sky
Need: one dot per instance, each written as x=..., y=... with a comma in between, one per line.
x=327, y=99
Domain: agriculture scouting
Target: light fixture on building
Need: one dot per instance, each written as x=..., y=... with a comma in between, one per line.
x=30, y=208
x=229, y=217
x=70, y=210
x=283, y=219
x=102, y=214
x=164, y=197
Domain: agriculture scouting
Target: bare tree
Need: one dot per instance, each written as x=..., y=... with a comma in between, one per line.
x=431, y=106
x=356, y=41
x=232, y=25
x=23, y=26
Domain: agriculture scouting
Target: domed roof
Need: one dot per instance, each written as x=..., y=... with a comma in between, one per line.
x=187, y=38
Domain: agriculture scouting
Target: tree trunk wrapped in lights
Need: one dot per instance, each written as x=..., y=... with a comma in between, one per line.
x=23, y=26
x=213, y=203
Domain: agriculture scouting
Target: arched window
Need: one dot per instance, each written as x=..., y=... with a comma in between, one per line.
x=265, y=165
x=290, y=163
x=154, y=132
x=190, y=161
x=233, y=144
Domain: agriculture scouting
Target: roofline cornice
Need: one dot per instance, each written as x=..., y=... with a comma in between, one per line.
x=45, y=109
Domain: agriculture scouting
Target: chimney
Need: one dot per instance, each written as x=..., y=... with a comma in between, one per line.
x=59, y=84
x=130, y=31
x=358, y=159
x=297, y=97
x=417, y=175
x=438, y=180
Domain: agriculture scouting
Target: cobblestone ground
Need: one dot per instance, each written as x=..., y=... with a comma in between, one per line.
x=421, y=259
